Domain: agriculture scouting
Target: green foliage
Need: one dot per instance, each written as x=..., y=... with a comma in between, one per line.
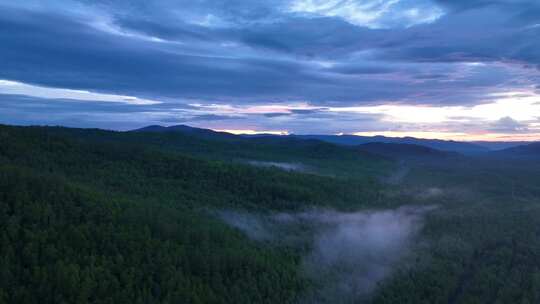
x=322, y=158
x=62, y=243
x=97, y=221
x=143, y=171
x=92, y=216
x=482, y=245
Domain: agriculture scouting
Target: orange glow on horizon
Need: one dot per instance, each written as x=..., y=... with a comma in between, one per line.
x=416, y=134
x=251, y=132
x=455, y=135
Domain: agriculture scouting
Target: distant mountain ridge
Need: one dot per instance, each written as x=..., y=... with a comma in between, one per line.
x=444, y=145
x=323, y=157
x=466, y=148
x=204, y=133
x=500, y=145
x=406, y=151
x=531, y=150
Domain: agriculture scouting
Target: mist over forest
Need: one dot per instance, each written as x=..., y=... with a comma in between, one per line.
x=345, y=254
x=270, y=152
x=179, y=217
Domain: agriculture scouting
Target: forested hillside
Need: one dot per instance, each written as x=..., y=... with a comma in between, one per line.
x=322, y=158
x=483, y=245
x=102, y=221
x=93, y=216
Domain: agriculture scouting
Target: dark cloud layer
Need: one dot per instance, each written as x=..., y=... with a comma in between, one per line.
x=280, y=51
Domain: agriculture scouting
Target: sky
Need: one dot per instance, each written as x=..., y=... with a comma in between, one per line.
x=450, y=69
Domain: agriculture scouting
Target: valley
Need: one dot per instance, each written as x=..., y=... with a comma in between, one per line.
x=157, y=217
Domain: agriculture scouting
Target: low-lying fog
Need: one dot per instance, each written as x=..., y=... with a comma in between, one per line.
x=280, y=165
x=347, y=253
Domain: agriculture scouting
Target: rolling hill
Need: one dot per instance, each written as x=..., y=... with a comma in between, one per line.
x=531, y=150
x=443, y=145
x=406, y=151
x=93, y=216
x=467, y=148
x=322, y=157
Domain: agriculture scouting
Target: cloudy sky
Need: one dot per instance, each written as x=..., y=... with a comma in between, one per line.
x=461, y=69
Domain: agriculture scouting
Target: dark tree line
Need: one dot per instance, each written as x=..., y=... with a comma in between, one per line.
x=84, y=221
x=90, y=216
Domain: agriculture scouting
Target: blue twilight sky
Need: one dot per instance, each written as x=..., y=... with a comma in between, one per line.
x=462, y=69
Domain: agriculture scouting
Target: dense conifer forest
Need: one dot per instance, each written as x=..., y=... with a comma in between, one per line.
x=92, y=216
x=97, y=221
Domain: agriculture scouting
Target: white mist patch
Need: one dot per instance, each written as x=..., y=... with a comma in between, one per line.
x=430, y=193
x=358, y=250
x=349, y=253
x=280, y=165
x=397, y=176
x=255, y=227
